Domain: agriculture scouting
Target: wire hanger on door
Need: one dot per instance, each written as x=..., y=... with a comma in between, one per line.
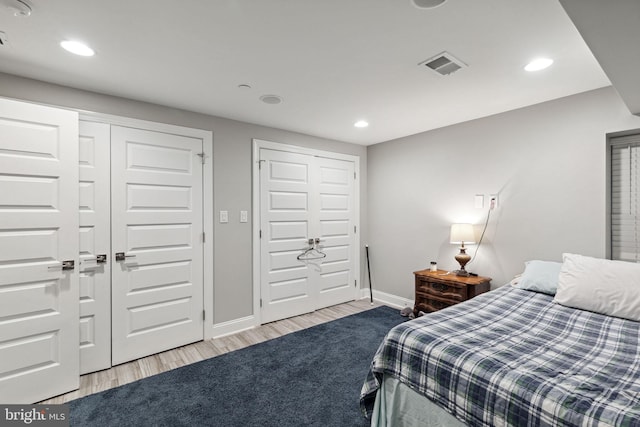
x=306, y=255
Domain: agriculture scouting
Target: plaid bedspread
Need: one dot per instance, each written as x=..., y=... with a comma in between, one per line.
x=513, y=357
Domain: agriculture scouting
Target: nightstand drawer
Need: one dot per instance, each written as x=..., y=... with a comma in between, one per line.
x=442, y=289
x=428, y=303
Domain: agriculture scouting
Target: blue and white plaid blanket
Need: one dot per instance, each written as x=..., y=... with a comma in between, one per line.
x=514, y=357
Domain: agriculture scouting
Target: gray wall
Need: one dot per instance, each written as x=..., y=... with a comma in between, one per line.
x=232, y=151
x=546, y=162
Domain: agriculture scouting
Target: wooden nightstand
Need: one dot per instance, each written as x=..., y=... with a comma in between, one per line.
x=437, y=289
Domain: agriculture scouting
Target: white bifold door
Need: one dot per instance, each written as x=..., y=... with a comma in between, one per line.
x=95, y=252
x=39, y=315
x=157, y=242
x=307, y=233
x=141, y=249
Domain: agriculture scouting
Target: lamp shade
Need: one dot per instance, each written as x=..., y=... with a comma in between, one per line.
x=462, y=233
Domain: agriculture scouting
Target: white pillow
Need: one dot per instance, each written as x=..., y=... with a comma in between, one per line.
x=600, y=285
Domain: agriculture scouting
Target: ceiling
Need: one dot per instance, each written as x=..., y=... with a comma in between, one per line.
x=333, y=62
x=613, y=35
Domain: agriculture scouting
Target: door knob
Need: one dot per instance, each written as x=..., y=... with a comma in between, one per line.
x=120, y=256
x=99, y=259
x=64, y=265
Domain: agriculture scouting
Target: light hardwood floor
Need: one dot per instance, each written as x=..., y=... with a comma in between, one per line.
x=161, y=362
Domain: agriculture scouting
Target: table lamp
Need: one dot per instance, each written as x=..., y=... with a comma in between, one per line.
x=461, y=234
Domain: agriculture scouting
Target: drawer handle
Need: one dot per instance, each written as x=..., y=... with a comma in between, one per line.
x=439, y=287
x=439, y=304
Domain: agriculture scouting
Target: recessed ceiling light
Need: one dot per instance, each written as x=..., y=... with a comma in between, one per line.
x=17, y=7
x=361, y=124
x=427, y=4
x=271, y=99
x=538, y=64
x=77, y=47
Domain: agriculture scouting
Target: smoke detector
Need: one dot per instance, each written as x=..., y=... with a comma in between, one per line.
x=17, y=7
x=427, y=4
x=443, y=63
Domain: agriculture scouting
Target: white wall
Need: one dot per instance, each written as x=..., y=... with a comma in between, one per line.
x=547, y=162
x=232, y=147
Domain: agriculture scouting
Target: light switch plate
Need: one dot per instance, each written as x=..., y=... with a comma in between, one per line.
x=479, y=201
x=224, y=217
x=243, y=216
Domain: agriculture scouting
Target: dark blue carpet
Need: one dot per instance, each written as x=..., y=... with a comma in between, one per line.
x=308, y=378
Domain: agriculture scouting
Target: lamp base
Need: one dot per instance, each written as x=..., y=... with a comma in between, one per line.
x=463, y=258
x=461, y=273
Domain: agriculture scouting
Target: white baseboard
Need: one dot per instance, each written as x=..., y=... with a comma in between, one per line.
x=387, y=299
x=249, y=322
x=233, y=326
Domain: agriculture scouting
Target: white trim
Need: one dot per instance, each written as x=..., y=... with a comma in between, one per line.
x=259, y=144
x=142, y=124
x=387, y=299
x=255, y=232
x=233, y=326
x=207, y=192
x=270, y=145
x=207, y=223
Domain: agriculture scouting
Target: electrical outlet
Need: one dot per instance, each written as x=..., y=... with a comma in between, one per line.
x=493, y=201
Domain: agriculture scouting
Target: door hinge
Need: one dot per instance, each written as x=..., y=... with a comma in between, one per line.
x=204, y=237
x=354, y=175
x=260, y=302
x=260, y=163
x=203, y=314
x=260, y=236
x=203, y=157
x=355, y=229
x=355, y=283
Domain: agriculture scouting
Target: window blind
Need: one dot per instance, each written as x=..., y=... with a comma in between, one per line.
x=625, y=198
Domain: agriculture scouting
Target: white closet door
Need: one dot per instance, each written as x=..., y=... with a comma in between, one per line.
x=286, y=214
x=305, y=197
x=157, y=281
x=95, y=238
x=336, y=213
x=38, y=230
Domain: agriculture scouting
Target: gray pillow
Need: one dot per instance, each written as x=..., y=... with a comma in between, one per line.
x=540, y=276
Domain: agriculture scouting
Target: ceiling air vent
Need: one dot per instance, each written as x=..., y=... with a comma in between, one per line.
x=443, y=63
